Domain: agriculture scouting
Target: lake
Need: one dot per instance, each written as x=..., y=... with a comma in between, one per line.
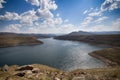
x=64, y=55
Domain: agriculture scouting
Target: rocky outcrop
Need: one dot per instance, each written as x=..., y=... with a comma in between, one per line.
x=42, y=72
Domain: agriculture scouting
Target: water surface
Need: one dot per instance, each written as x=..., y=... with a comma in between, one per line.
x=65, y=55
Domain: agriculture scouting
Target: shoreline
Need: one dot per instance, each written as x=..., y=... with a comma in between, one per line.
x=105, y=60
x=30, y=44
x=102, y=55
x=7, y=41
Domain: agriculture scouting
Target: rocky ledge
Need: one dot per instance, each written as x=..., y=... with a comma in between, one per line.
x=42, y=72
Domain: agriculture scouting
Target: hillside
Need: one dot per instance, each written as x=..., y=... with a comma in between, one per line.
x=111, y=56
x=42, y=72
x=26, y=34
x=111, y=40
x=94, y=33
x=7, y=41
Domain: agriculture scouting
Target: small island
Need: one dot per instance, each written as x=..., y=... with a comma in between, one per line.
x=8, y=41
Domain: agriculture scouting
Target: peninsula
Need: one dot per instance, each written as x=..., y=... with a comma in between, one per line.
x=8, y=41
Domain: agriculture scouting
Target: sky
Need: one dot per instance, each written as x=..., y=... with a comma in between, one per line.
x=59, y=16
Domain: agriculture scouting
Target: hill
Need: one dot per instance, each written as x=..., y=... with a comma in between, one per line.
x=111, y=56
x=26, y=34
x=92, y=38
x=94, y=33
x=7, y=41
x=42, y=72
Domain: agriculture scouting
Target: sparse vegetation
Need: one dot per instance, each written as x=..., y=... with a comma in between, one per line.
x=111, y=40
x=111, y=56
x=7, y=41
x=42, y=72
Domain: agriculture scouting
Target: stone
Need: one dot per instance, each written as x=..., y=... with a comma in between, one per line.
x=5, y=67
x=20, y=74
x=28, y=72
x=57, y=78
x=78, y=78
x=25, y=68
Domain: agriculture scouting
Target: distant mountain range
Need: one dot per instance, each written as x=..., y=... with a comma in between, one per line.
x=94, y=33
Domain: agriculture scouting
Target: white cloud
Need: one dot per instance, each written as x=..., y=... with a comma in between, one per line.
x=53, y=22
x=95, y=14
x=58, y=15
x=114, y=26
x=103, y=28
x=2, y=1
x=10, y=16
x=27, y=18
x=85, y=11
x=34, y=2
x=67, y=28
x=99, y=20
x=110, y=5
x=44, y=4
x=66, y=20
x=87, y=21
x=39, y=20
x=13, y=28
x=44, y=14
x=116, y=23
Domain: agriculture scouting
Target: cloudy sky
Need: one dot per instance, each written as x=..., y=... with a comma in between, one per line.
x=59, y=16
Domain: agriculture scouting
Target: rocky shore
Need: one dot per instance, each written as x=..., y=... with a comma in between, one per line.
x=42, y=72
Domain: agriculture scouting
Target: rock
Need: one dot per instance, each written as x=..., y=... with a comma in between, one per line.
x=79, y=78
x=25, y=68
x=5, y=67
x=28, y=72
x=35, y=70
x=20, y=74
x=57, y=78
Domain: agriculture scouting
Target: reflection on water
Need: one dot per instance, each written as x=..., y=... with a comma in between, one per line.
x=65, y=55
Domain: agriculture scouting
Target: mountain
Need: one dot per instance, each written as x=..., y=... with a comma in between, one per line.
x=101, y=38
x=80, y=33
x=94, y=33
x=106, y=32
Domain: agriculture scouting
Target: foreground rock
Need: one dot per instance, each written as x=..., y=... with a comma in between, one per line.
x=111, y=56
x=42, y=72
x=7, y=41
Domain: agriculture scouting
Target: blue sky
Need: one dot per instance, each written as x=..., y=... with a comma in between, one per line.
x=59, y=16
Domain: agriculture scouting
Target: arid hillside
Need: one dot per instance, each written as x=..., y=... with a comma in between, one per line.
x=7, y=41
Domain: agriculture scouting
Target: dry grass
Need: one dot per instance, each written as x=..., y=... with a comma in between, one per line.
x=112, y=40
x=6, y=41
x=109, y=55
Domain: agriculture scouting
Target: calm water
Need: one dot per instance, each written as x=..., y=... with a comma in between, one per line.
x=65, y=55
